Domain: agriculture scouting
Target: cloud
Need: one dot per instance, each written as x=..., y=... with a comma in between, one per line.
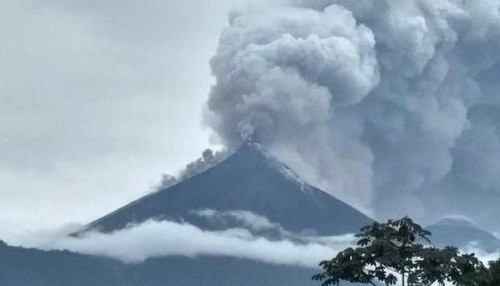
x=165, y=238
x=153, y=238
x=481, y=254
x=374, y=101
x=249, y=219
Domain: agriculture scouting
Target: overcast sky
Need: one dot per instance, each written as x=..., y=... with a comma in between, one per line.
x=97, y=100
x=372, y=101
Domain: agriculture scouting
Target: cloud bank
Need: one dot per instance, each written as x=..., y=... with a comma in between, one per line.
x=166, y=238
x=374, y=101
x=153, y=238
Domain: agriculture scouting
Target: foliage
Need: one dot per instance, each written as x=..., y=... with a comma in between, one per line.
x=494, y=273
x=395, y=250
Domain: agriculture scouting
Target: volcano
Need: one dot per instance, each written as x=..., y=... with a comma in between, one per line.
x=462, y=233
x=250, y=179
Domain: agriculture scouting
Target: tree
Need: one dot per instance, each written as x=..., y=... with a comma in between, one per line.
x=394, y=250
x=494, y=273
x=448, y=265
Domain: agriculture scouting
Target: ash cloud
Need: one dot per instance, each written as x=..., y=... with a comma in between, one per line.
x=208, y=159
x=374, y=101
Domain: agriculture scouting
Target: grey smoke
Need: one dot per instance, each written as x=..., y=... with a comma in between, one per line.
x=208, y=159
x=375, y=101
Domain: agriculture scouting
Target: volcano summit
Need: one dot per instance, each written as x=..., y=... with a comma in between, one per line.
x=250, y=180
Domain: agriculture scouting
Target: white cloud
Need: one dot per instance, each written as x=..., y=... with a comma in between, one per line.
x=249, y=219
x=164, y=238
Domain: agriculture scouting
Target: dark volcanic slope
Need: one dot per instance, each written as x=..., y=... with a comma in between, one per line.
x=30, y=267
x=248, y=180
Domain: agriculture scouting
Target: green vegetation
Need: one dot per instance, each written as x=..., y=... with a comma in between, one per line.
x=400, y=251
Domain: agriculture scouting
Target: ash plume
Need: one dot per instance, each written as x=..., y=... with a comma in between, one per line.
x=375, y=101
x=208, y=159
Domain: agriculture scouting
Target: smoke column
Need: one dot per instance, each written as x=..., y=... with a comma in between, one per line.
x=376, y=101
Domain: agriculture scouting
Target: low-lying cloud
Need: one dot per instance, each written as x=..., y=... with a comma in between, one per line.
x=153, y=238
x=248, y=219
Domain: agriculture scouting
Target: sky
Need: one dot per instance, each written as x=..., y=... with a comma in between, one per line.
x=373, y=101
x=97, y=100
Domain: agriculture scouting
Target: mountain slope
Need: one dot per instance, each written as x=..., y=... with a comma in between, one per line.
x=32, y=267
x=461, y=233
x=22, y=267
x=250, y=180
